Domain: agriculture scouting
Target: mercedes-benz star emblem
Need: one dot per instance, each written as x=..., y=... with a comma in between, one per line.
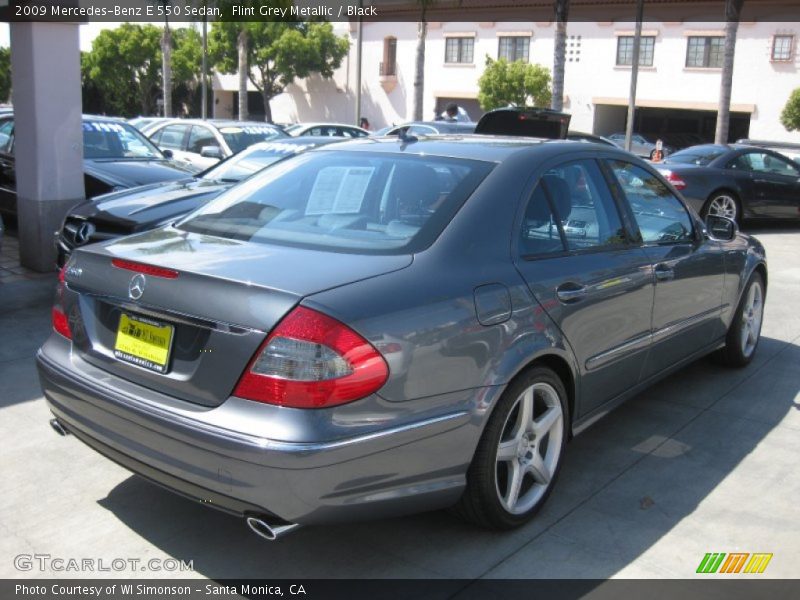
x=83, y=233
x=136, y=286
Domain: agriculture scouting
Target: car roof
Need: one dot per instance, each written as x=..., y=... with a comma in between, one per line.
x=487, y=148
x=324, y=124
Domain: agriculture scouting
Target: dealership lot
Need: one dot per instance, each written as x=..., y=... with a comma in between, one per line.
x=704, y=462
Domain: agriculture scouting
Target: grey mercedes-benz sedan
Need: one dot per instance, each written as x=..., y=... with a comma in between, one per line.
x=394, y=325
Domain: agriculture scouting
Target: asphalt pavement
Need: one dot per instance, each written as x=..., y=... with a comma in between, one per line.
x=705, y=461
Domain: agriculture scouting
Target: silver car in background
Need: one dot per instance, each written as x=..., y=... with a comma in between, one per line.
x=386, y=326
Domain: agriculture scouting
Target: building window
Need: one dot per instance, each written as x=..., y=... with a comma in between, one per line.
x=514, y=48
x=389, y=65
x=782, y=46
x=705, y=52
x=625, y=51
x=459, y=50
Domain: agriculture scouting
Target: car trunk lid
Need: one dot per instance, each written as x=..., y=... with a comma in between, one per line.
x=223, y=299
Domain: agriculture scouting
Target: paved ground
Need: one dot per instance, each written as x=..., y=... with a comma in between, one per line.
x=704, y=462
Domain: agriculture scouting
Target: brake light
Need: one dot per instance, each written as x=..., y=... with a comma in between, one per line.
x=57, y=315
x=312, y=361
x=129, y=265
x=677, y=182
x=60, y=322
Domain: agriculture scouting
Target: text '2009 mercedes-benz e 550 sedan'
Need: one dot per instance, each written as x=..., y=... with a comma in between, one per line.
x=394, y=325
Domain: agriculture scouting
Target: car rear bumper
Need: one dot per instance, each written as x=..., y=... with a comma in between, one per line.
x=392, y=470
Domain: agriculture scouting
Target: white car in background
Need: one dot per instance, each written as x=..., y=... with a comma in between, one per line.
x=204, y=143
x=326, y=129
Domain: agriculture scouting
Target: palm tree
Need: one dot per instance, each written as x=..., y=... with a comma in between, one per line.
x=559, y=54
x=733, y=10
x=166, y=62
x=419, y=69
x=244, y=71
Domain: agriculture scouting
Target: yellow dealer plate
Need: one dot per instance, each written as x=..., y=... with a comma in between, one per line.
x=143, y=342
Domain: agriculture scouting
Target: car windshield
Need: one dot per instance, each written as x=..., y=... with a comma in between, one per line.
x=696, y=156
x=108, y=139
x=358, y=202
x=240, y=137
x=253, y=159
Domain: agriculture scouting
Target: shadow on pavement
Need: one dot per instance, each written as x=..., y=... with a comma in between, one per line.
x=626, y=483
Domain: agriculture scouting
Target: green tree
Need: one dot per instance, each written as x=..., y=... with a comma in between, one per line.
x=5, y=74
x=124, y=65
x=518, y=83
x=790, y=116
x=278, y=52
x=187, y=60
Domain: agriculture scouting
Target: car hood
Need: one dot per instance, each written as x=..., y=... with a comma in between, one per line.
x=145, y=206
x=128, y=172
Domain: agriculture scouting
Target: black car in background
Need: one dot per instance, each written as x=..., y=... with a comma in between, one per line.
x=736, y=181
x=150, y=206
x=116, y=156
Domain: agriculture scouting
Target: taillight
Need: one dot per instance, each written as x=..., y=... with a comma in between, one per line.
x=677, y=182
x=312, y=361
x=57, y=315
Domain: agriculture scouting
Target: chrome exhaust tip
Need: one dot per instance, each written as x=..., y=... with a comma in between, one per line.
x=58, y=427
x=270, y=532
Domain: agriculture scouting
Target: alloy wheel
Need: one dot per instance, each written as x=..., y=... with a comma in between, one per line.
x=752, y=314
x=529, y=448
x=723, y=206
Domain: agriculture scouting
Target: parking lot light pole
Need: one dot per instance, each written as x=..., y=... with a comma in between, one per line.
x=204, y=77
x=358, y=67
x=637, y=38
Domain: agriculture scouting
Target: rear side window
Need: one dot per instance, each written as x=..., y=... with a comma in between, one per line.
x=571, y=208
x=344, y=201
x=661, y=217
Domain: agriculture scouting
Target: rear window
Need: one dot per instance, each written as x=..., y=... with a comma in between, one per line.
x=695, y=157
x=344, y=201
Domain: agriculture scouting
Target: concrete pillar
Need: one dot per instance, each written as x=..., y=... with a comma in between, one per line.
x=48, y=146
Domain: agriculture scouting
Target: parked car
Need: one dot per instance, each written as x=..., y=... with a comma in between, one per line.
x=235, y=355
x=145, y=124
x=579, y=136
x=202, y=144
x=736, y=181
x=115, y=157
x=788, y=149
x=427, y=128
x=326, y=129
x=142, y=208
x=640, y=145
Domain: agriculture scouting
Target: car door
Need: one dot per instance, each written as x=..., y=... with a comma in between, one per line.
x=201, y=137
x=585, y=270
x=688, y=269
x=173, y=137
x=776, y=181
x=8, y=177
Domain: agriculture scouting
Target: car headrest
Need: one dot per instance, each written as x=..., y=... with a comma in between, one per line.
x=416, y=188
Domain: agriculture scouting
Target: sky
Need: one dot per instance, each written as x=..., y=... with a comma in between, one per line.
x=88, y=31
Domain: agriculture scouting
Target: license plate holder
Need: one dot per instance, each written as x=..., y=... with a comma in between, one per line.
x=144, y=342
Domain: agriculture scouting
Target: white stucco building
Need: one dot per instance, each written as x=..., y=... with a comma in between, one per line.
x=678, y=87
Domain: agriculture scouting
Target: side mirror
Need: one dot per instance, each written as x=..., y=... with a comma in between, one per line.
x=720, y=228
x=211, y=152
x=167, y=153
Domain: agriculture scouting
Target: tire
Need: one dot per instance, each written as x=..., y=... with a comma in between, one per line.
x=744, y=332
x=725, y=204
x=533, y=452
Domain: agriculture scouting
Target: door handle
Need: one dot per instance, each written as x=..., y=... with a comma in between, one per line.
x=664, y=273
x=570, y=292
